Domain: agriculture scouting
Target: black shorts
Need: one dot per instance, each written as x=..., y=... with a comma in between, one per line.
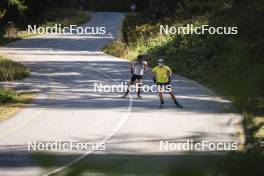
x=166, y=86
x=136, y=77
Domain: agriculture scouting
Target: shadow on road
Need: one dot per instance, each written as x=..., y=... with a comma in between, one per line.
x=187, y=164
x=73, y=85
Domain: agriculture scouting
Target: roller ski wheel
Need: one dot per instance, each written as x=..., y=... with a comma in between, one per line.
x=124, y=96
x=161, y=106
x=179, y=106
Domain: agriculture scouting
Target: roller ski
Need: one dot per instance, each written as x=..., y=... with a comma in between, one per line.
x=178, y=105
x=124, y=96
x=140, y=98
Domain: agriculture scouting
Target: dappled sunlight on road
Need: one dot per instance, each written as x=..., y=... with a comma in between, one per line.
x=63, y=72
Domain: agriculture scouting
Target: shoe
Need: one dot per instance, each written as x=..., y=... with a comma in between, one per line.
x=161, y=106
x=124, y=96
x=178, y=104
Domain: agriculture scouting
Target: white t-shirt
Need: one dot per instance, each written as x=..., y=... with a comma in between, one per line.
x=138, y=67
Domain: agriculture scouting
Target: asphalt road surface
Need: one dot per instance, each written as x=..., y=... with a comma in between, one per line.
x=64, y=69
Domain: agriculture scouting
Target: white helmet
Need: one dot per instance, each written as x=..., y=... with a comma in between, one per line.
x=160, y=61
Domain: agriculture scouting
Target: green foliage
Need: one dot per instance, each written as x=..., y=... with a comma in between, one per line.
x=10, y=70
x=7, y=95
x=27, y=12
x=187, y=8
x=251, y=160
x=117, y=48
x=254, y=142
x=231, y=65
x=65, y=17
x=106, y=5
x=138, y=27
x=17, y=3
x=6, y=4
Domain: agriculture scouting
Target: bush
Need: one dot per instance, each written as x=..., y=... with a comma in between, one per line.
x=10, y=70
x=65, y=17
x=116, y=48
x=7, y=95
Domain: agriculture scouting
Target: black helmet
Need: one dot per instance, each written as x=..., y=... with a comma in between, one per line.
x=140, y=57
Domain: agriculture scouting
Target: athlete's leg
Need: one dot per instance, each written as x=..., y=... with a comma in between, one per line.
x=161, y=98
x=160, y=90
x=175, y=100
x=130, y=83
x=128, y=86
x=139, y=86
x=172, y=96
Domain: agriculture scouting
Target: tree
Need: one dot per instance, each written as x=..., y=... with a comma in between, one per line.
x=14, y=3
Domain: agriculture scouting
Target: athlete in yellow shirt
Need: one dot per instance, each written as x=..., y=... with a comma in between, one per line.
x=162, y=77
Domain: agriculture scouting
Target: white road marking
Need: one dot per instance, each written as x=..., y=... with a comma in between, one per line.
x=115, y=130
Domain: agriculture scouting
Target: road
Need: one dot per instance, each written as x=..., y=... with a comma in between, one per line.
x=64, y=70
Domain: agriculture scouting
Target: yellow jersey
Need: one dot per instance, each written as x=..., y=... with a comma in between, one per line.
x=162, y=73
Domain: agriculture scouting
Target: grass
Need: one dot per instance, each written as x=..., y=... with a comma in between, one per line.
x=7, y=95
x=12, y=102
x=10, y=70
x=20, y=35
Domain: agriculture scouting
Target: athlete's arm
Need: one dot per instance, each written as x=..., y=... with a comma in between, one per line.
x=154, y=75
x=145, y=65
x=131, y=67
x=169, y=72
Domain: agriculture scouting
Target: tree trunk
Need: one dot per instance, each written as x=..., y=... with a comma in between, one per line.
x=2, y=13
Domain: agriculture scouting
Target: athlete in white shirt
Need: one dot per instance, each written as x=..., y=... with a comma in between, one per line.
x=137, y=68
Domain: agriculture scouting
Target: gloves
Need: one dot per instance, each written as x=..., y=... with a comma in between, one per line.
x=154, y=80
x=169, y=79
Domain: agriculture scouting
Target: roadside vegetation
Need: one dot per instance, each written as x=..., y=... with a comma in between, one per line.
x=10, y=70
x=10, y=100
x=222, y=62
x=231, y=65
x=16, y=15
